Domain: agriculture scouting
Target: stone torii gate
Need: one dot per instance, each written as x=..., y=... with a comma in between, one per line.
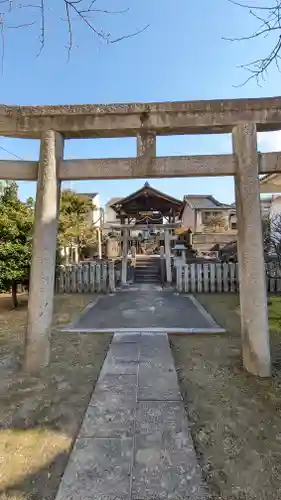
x=54, y=124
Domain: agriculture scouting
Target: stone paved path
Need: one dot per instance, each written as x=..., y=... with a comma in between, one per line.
x=134, y=443
x=145, y=309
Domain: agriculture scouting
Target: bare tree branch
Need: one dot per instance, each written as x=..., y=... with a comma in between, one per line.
x=42, y=30
x=269, y=18
x=70, y=39
x=15, y=14
x=3, y=45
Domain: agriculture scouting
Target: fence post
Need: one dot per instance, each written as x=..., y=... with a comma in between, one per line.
x=60, y=277
x=199, y=278
x=213, y=277
x=179, y=278
x=74, y=279
x=124, y=270
x=162, y=265
x=186, y=276
x=206, y=268
x=232, y=276
x=192, y=278
x=86, y=269
x=79, y=279
x=67, y=279
x=219, y=278
x=225, y=277
x=92, y=276
x=111, y=276
x=98, y=277
x=104, y=277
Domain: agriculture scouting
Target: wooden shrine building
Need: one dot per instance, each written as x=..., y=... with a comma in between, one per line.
x=148, y=207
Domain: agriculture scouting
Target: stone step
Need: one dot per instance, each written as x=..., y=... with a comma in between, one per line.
x=147, y=269
x=148, y=260
x=146, y=264
x=147, y=274
x=150, y=264
x=147, y=279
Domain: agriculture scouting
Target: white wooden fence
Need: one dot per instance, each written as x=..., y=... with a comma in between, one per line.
x=214, y=277
x=92, y=277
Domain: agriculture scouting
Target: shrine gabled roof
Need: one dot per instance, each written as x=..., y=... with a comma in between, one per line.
x=146, y=192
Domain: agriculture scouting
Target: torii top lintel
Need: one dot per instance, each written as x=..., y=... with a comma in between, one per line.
x=128, y=120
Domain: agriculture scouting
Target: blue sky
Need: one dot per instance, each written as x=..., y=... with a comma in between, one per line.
x=181, y=56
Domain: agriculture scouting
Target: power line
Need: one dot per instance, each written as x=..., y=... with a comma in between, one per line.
x=10, y=153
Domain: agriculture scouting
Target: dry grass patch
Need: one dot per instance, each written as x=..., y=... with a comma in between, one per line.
x=40, y=416
x=235, y=417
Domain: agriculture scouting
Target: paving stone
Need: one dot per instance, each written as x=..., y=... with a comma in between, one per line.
x=124, y=351
x=158, y=386
x=122, y=368
x=126, y=337
x=162, y=417
x=156, y=364
x=163, y=469
x=151, y=352
x=109, y=418
x=98, y=469
x=115, y=387
x=155, y=349
x=122, y=358
x=147, y=309
x=153, y=338
x=119, y=367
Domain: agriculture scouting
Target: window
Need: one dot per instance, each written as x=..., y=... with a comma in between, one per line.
x=207, y=215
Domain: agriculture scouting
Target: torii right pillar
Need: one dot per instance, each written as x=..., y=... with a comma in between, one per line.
x=253, y=294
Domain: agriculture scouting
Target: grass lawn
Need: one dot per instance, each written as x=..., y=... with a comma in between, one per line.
x=235, y=418
x=40, y=416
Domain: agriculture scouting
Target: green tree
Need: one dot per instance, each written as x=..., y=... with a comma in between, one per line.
x=30, y=202
x=16, y=222
x=75, y=225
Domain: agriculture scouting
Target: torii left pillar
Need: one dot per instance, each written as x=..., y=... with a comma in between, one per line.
x=42, y=276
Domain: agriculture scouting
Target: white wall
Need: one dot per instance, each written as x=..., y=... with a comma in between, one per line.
x=96, y=214
x=110, y=215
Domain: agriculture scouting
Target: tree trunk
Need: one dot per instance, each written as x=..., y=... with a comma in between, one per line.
x=14, y=295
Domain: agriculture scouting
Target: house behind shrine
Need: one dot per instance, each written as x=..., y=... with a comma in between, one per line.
x=198, y=211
